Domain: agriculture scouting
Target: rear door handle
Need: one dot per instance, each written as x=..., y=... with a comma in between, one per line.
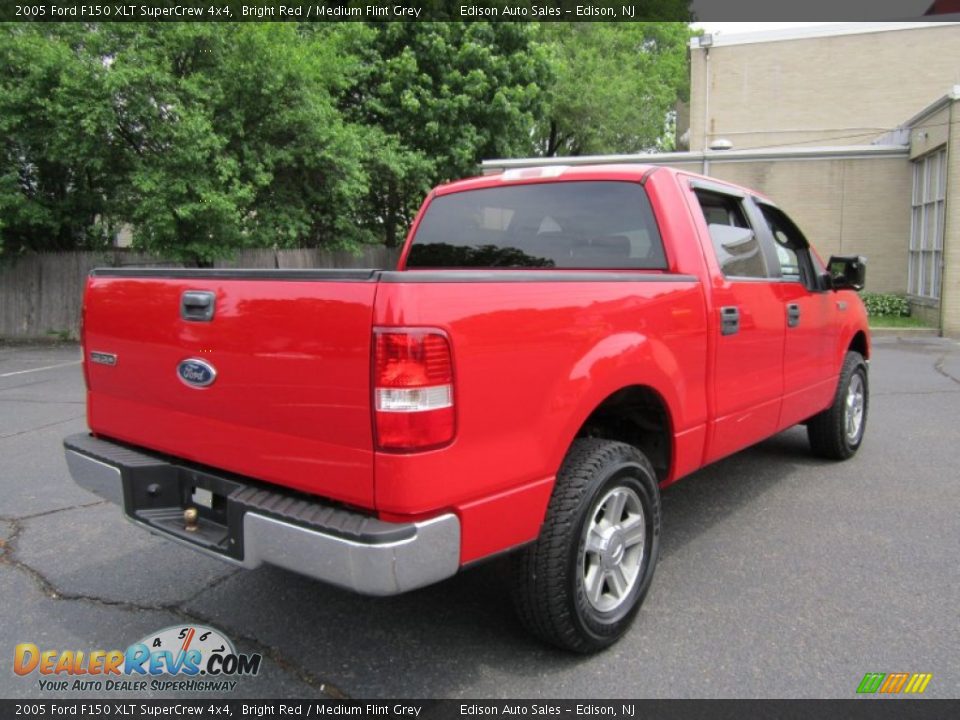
x=197, y=305
x=729, y=320
x=793, y=315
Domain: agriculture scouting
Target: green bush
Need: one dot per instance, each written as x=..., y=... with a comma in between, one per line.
x=886, y=305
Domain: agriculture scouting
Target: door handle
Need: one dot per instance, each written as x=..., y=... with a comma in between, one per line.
x=729, y=320
x=793, y=315
x=197, y=305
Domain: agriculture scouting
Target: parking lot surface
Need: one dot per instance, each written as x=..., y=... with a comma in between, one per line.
x=780, y=576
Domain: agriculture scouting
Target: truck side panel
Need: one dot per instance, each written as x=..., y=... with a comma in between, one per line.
x=533, y=359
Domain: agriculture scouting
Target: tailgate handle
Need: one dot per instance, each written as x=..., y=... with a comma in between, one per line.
x=197, y=305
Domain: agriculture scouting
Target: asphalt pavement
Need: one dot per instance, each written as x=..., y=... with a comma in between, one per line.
x=780, y=576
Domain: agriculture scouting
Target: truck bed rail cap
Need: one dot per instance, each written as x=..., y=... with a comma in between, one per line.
x=341, y=275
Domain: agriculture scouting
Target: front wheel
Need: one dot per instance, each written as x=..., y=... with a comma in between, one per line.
x=837, y=432
x=580, y=585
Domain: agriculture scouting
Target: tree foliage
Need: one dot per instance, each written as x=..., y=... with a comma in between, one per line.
x=236, y=138
x=202, y=137
x=616, y=85
x=444, y=96
x=57, y=176
x=206, y=137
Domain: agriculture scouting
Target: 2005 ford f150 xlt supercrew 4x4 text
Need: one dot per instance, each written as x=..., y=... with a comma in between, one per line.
x=556, y=346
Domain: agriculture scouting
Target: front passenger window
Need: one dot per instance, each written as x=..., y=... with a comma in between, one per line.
x=792, y=248
x=789, y=265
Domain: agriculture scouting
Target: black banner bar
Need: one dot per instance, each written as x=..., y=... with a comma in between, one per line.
x=855, y=709
x=457, y=10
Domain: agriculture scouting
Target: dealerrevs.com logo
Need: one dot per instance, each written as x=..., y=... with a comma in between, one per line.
x=182, y=658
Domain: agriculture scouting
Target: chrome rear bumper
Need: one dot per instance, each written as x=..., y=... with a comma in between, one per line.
x=253, y=525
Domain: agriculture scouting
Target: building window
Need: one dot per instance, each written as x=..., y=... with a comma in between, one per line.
x=926, y=227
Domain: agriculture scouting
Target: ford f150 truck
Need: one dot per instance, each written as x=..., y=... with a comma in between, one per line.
x=555, y=346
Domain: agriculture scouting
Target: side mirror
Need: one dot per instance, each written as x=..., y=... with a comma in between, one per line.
x=847, y=272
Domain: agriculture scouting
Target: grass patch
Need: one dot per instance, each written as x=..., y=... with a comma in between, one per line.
x=891, y=321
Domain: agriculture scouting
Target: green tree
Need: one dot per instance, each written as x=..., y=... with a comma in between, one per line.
x=57, y=172
x=203, y=137
x=441, y=97
x=616, y=86
x=235, y=136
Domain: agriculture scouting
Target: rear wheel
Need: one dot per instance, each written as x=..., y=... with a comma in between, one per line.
x=837, y=432
x=580, y=585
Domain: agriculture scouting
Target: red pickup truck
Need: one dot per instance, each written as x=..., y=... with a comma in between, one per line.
x=555, y=346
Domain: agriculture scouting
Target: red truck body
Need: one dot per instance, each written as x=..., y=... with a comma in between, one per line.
x=536, y=354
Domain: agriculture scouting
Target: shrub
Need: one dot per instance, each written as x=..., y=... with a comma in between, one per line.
x=886, y=305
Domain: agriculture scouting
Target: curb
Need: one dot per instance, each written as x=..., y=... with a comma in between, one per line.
x=887, y=332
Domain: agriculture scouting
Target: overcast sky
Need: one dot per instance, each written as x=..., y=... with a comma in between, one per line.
x=826, y=11
x=736, y=28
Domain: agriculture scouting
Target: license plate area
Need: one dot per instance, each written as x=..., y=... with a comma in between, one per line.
x=160, y=496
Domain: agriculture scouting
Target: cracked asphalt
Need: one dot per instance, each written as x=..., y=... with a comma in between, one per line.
x=780, y=576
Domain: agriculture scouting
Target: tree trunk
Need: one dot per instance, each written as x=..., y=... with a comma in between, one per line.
x=390, y=217
x=553, y=140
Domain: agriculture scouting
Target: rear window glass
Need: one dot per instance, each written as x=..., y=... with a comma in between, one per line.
x=595, y=224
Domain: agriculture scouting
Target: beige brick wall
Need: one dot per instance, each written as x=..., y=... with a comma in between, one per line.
x=839, y=90
x=876, y=220
x=930, y=133
x=847, y=206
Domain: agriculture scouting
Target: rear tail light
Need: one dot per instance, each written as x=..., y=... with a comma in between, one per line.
x=412, y=389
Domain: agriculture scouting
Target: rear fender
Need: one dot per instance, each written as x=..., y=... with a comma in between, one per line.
x=634, y=359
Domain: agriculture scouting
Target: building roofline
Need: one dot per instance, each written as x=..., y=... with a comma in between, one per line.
x=814, y=31
x=937, y=105
x=835, y=152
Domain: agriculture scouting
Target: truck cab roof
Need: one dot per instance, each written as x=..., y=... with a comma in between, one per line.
x=628, y=172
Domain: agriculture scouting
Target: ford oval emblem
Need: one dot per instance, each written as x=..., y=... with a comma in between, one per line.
x=196, y=373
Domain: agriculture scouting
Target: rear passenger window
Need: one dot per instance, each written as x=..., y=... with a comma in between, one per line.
x=735, y=243
x=596, y=224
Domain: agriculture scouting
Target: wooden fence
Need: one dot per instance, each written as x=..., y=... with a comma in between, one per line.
x=40, y=295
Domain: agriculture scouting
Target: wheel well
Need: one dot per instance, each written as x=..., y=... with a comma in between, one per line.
x=859, y=344
x=637, y=416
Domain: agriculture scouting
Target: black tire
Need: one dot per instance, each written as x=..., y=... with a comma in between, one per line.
x=550, y=577
x=831, y=432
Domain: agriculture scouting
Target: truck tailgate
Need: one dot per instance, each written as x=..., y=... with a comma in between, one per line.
x=290, y=400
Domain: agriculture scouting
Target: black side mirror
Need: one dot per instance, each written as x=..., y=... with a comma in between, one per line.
x=847, y=272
